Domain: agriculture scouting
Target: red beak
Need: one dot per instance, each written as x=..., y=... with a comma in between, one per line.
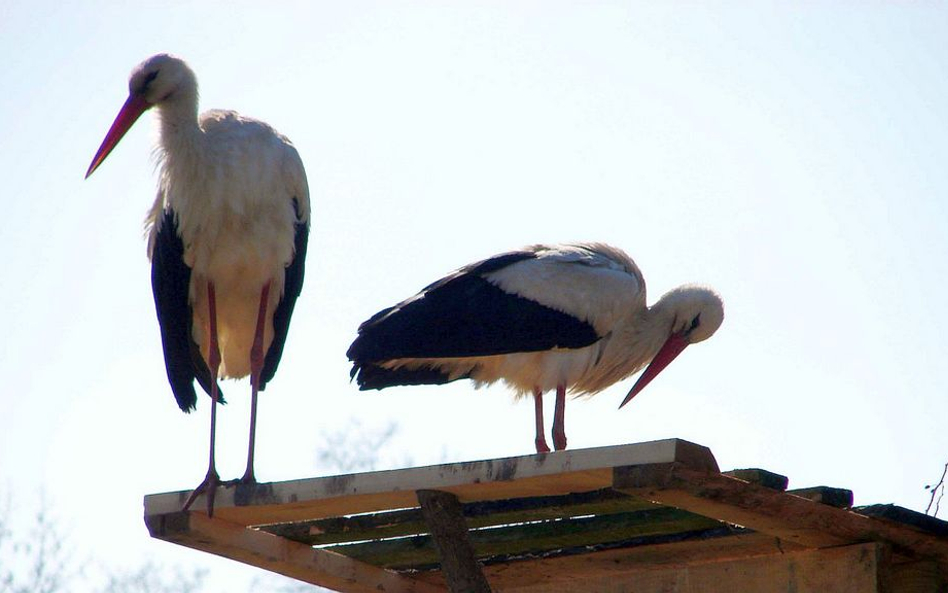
x=134, y=107
x=673, y=346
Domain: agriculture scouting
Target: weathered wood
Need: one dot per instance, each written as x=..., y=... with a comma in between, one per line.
x=761, y=477
x=903, y=516
x=850, y=569
x=442, y=513
x=785, y=516
x=257, y=548
x=616, y=563
x=546, y=474
x=555, y=522
x=537, y=538
x=834, y=497
x=913, y=577
x=407, y=522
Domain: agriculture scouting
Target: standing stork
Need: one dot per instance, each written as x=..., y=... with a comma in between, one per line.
x=565, y=317
x=226, y=237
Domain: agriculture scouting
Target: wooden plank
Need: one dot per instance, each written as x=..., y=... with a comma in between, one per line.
x=901, y=515
x=257, y=548
x=785, y=516
x=835, y=497
x=537, y=538
x=405, y=522
x=849, y=569
x=442, y=513
x=615, y=563
x=914, y=577
x=545, y=474
x=761, y=477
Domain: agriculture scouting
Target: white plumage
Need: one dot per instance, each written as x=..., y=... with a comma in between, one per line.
x=231, y=184
x=565, y=317
x=227, y=238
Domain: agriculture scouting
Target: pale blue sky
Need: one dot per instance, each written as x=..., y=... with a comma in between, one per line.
x=793, y=157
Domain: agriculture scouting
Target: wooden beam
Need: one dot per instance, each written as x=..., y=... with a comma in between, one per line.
x=543, y=537
x=762, y=477
x=835, y=497
x=298, y=561
x=404, y=522
x=914, y=577
x=546, y=474
x=442, y=513
x=849, y=569
x=785, y=516
x=616, y=563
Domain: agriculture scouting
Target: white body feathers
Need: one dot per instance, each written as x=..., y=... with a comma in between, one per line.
x=232, y=182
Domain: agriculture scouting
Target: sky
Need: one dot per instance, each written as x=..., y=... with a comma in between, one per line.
x=791, y=155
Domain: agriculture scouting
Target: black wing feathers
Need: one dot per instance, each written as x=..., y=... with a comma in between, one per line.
x=170, y=278
x=292, y=286
x=464, y=315
x=375, y=377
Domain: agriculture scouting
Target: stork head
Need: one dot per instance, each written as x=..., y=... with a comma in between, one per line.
x=161, y=79
x=696, y=312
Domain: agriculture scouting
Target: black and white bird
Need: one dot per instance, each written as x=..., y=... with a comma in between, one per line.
x=565, y=317
x=227, y=240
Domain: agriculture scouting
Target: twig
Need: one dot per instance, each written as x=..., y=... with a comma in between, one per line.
x=937, y=490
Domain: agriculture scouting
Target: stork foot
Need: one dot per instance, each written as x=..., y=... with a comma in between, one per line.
x=542, y=447
x=208, y=487
x=559, y=441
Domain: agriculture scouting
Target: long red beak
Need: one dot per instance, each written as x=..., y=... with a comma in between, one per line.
x=673, y=346
x=134, y=107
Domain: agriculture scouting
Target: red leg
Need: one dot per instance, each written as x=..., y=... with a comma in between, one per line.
x=559, y=419
x=540, y=441
x=212, y=480
x=256, y=367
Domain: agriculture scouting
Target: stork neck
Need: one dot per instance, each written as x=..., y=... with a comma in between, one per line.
x=654, y=327
x=180, y=132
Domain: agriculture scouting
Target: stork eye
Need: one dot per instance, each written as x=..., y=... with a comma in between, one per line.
x=150, y=77
x=695, y=323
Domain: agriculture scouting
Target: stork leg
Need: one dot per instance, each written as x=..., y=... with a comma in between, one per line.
x=540, y=441
x=256, y=367
x=212, y=480
x=559, y=419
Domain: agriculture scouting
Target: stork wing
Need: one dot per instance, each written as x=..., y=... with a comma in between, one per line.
x=170, y=278
x=466, y=314
x=592, y=282
x=292, y=286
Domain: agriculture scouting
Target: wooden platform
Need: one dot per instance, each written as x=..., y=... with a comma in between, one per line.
x=644, y=517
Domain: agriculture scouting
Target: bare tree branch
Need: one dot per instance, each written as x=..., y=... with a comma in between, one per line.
x=938, y=491
x=355, y=448
x=154, y=578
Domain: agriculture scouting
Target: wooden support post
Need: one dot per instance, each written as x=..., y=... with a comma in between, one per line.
x=443, y=514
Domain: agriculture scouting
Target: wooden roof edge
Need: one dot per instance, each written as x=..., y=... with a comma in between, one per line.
x=455, y=477
x=904, y=516
x=783, y=515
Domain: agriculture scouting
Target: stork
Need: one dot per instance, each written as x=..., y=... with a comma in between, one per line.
x=227, y=239
x=566, y=317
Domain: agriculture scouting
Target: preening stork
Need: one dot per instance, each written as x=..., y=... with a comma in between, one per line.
x=226, y=237
x=564, y=317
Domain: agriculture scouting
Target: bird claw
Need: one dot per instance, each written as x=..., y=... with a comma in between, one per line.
x=208, y=487
x=245, y=480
